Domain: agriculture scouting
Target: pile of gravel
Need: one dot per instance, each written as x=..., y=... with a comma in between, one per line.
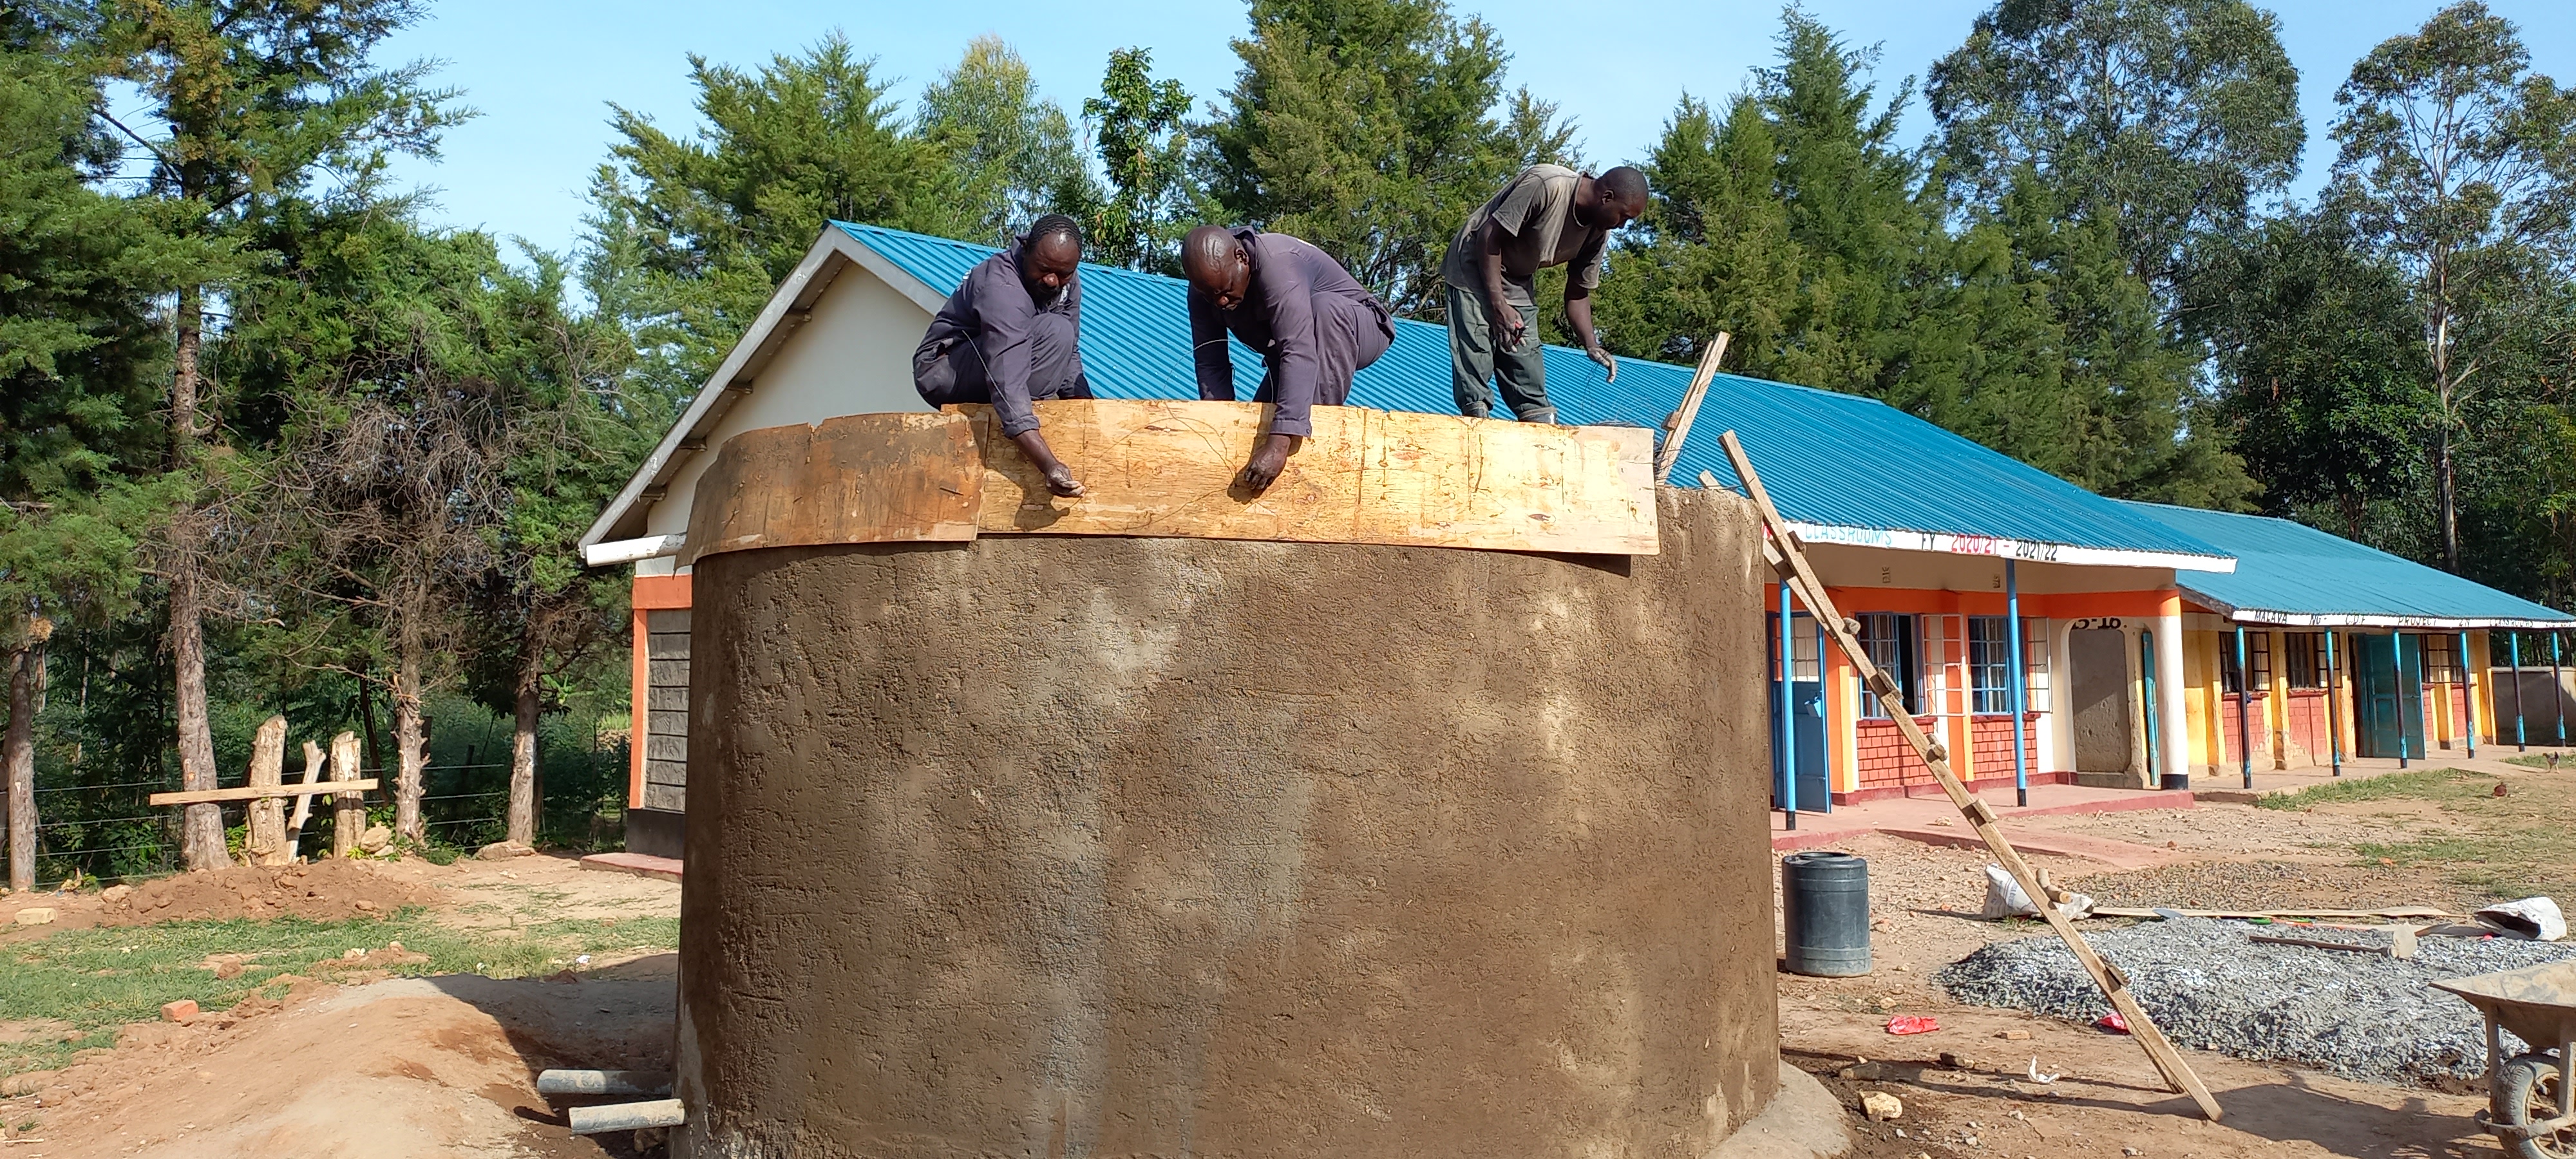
x=2208, y=986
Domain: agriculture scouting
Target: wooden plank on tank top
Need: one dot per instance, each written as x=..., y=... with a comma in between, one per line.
x=1159, y=468
x=869, y=478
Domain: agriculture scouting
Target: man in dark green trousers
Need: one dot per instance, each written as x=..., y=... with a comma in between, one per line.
x=1549, y=215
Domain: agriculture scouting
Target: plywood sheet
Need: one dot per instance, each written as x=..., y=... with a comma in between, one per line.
x=1366, y=476
x=870, y=478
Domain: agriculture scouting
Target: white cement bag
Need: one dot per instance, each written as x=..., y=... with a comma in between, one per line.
x=2533, y=918
x=2004, y=899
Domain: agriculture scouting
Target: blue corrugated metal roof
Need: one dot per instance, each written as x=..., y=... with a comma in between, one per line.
x=2291, y=573
x=1831, y=461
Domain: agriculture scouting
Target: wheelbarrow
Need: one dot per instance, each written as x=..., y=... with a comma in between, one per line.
x=2531, y=1099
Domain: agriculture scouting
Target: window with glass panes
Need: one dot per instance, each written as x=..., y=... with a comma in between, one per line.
x=1802, y=645
x=2441, y=658
x=2303, y=659
x=1890, y=640
x=2258, y=652
x=1989, y=664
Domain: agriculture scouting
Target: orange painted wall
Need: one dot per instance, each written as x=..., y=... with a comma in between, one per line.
x=1862, y=754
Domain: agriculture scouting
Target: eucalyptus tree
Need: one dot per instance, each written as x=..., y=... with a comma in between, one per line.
x=2459, y=162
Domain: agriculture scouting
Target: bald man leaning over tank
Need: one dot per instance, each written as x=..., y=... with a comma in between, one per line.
x=1311, y=322
x=1010, y=335
x=1548, y=215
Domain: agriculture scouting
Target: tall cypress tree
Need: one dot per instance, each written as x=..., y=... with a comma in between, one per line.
x=2459, y=163
x=690, y=235
x=1372, y=128
x=249, y=99
x=1798, y=224
x=79, y=352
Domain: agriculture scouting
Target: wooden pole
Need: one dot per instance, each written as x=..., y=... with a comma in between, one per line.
x=313, y=761
x=1785, y=554
x=276, y=793
x=349, y=811
x=265, y=841
x=1677, y=428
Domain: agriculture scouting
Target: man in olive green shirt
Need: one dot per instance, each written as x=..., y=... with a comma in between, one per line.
x=1549, y=215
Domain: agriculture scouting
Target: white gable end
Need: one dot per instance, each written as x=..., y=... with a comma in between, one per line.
x=854, y=356
x=835, y=339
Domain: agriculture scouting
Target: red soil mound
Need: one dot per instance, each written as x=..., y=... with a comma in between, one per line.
x=321, y=891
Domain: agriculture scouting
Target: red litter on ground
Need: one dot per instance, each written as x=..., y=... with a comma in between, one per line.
x=1912, y=1024
x=2113, y=1023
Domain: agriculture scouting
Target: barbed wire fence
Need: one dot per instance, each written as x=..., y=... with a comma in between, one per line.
x=135, y=840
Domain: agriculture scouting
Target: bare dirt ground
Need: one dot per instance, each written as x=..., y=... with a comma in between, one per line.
x=1965, y=1087
x=403, y=1067
x=349, y=1061
x=355, y=1062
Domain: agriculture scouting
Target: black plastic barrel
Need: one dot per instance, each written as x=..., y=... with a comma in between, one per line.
x=1824, y=908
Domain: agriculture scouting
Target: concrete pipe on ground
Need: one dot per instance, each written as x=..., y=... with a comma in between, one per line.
x=1093, y=846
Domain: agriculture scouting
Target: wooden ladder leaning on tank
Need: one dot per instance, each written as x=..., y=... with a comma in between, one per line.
x=1783, y=552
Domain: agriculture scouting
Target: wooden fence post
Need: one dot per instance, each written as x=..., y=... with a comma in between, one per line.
x=266, y=840
x=313, y=762
x=349, y=811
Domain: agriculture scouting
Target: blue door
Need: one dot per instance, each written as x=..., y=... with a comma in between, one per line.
x=1807, y=714
x=2386, y=703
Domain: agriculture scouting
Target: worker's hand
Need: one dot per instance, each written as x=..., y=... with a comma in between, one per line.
x=1059, y=478
x=1608, y=364
x=1507, y=327
x=1268, y=461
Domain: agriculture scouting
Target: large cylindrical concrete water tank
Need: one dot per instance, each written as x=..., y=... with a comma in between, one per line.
x=1092, y=846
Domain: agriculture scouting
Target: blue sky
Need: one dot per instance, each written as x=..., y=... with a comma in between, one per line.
x=542, y=72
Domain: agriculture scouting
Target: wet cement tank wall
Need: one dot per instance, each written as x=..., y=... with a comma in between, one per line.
x=1089, y=846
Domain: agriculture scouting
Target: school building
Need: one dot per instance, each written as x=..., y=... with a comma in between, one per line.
x=2341, y=650
x=2047, y=634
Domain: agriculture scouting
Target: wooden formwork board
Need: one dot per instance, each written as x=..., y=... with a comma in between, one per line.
x=1153, y=468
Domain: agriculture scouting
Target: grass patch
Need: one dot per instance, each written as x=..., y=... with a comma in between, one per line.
x=2494, y=847
x=2481, y=863
x=100, y=979
x=2421, y=785
x=2542, y=761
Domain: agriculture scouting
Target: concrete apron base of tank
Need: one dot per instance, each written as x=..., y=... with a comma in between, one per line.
x=1804, y=1121
x=1098, y=846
